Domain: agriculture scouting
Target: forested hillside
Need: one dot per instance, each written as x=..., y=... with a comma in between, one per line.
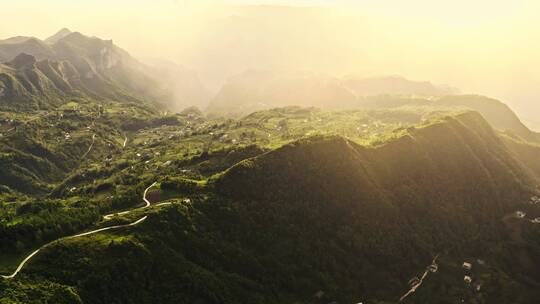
x=290, y=187
x=320, y=219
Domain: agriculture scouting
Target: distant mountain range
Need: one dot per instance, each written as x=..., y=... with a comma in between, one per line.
x=37, y=74
x=259, y=89
x=396, y=85
x=43, y=74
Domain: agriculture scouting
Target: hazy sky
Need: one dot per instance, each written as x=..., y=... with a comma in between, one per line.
x=488, y=47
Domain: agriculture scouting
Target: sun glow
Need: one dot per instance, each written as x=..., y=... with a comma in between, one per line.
x=482, y=46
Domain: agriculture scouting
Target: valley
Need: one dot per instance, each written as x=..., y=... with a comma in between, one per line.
x=108, y=194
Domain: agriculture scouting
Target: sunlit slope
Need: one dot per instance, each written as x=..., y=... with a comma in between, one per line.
x=497, y=113
x=455, y=152
x=40, y=149
x=322, y=213
x=527, y=153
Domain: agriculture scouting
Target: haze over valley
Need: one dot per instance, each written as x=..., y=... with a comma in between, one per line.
x=269, y=152
x=481, y=48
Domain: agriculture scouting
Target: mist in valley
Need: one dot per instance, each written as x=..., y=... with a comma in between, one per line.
x=481, y=48
x=269, y=151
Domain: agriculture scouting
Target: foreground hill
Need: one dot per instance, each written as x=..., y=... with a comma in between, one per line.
x=319, y=220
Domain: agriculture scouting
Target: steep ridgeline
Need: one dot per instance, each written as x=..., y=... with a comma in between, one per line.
x=26, y=84
x=12, y=47
x=527, y=153
x=469, y=151
x=497, y=113
x=37, y=74
x=322, y=220
x=365, y=216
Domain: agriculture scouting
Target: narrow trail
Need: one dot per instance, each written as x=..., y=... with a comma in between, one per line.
x=163, y=204
x=146, y=205
x=125, y=142
x=31, y=255
x=21, y=265
x=416, y=286
x=91, y=146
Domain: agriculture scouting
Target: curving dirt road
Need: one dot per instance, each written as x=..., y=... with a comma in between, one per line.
x=91, y=146
x=416, y=286
x=146, y=202
x=31, y=255
x=21, y=265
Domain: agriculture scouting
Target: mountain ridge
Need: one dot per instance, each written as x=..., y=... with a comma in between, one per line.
x=87, y=67
x=356, y=218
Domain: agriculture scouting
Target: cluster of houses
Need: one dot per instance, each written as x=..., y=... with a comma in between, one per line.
x=520, y=214
x=433, y=268
x=468, y=279
x=10, y=123
x=414, y=282
x=535, y=200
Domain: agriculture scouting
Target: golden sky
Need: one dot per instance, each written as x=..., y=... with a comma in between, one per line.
x=488, y=47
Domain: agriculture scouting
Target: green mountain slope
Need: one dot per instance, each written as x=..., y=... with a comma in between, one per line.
x=324, y=214
x=527, y=153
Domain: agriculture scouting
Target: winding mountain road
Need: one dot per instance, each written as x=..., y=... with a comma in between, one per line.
x=417, y=285
x=146, y=205
x=91, y=146
x=31, y=255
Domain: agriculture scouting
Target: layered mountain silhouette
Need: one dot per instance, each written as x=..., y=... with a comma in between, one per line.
x=37, y=74
x=396, y=85
x=259, y=89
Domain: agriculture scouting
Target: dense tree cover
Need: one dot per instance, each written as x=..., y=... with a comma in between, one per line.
x=526, y=152
x=323, y=214
x=285, y=205
x=44, y=292
x=38, y=222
